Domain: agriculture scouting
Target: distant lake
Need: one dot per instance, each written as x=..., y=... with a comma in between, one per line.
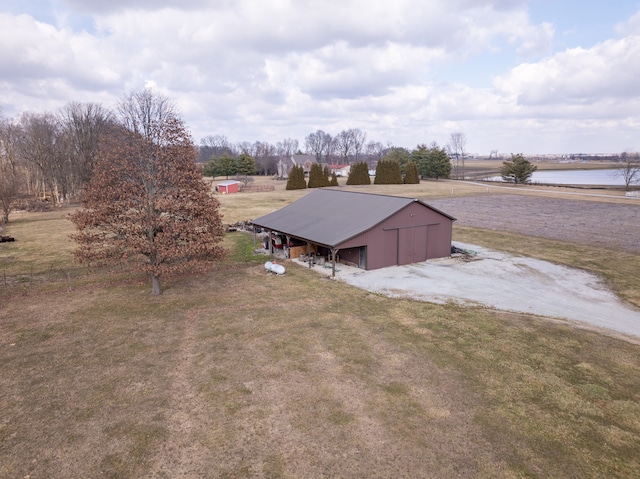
x=574, y=177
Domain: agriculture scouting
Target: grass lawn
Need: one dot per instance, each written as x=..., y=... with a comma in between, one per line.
x=236, y=373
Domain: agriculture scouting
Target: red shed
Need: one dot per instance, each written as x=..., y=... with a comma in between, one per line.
x=227, y=187
x=367, y=230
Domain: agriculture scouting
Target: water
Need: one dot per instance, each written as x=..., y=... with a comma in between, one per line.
x=575, y=177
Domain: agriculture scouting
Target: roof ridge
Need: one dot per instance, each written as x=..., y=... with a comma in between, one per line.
x=370, y=194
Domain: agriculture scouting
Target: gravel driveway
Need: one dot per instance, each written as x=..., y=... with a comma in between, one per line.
x=521, y=284
x=501, y=281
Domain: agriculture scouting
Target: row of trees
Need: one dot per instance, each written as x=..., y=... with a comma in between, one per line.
x=220, y=155
x=346, y=147
x=50, y=156
x=397, y=167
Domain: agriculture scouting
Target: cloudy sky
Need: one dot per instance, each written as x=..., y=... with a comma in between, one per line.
x=531, y=76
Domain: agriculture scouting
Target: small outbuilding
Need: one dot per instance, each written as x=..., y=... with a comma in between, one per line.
x=227, y=187
x=365, y=230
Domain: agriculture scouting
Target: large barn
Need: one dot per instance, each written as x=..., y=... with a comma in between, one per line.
x=367, y=230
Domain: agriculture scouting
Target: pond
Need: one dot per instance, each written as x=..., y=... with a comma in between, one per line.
x=609, y=177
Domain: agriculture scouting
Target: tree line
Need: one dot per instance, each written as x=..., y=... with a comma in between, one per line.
x=225, y=158
x=48, y=158
x=397, y=166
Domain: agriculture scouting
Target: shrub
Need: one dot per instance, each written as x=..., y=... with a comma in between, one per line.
x=388, y=173
x=296, y=179
x=412, y=176
x=359, y=174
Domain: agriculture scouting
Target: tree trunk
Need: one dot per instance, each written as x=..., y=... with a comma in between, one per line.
x=155, y=285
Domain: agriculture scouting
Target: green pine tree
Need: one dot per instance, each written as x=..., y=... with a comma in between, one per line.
x=359, y=174
x=296, y=179
x=388, y=173
x=517, y=170
x=412, y=176
x=432, y=162
x=334, y=180
x=316, y=178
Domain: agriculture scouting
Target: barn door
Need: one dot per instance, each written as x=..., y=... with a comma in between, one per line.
x=362, y=260
x=412, y=244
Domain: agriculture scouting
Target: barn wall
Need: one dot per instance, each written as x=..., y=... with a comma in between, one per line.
x=413, y=234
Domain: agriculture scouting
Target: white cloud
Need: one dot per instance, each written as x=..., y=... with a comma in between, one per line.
x=252, y=69
x=603, y=74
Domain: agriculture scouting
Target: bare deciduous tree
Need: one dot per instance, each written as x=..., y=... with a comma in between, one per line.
x=456, y=148
x=287, y=147
x=9, y=189
x=266, y=158
x=359, y=138
x=345, y=144
x=375, y=150
x=146, y=202
x=213, y=146
x=84, y=125
x=38, y=146
x=320, y=144
x=629, y=169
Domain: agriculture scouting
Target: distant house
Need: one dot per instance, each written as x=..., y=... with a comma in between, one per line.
x=228, y=187
x=366, y=230
x=286, y=163
x=340, y=170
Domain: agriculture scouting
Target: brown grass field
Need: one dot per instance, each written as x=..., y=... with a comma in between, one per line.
x=236, y=373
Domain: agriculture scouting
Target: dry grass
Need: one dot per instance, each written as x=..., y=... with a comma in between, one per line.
x=242, y=374
x=42, y=242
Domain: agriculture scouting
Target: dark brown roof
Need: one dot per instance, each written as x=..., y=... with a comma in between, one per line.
x=330, y=217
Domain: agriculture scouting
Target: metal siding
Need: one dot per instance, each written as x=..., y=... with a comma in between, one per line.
x=433, y=241
x=439, y=240
x=331, y=217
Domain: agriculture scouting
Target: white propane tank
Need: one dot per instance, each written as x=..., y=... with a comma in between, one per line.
x=274, y=267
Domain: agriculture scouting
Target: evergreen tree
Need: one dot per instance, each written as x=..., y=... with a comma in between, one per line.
x=388, y=173
x=517, y=170
x=399, y=154
x=226, y=165
x=210, y=169
x=412, y=176
x=359, y=174
x=245, y=165
x=316, y=176
x=296, y=178
x=326, y=175
x=432, y=162
x=334, y=180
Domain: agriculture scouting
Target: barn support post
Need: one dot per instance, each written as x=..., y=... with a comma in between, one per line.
x=309, y=253
x=334, y=251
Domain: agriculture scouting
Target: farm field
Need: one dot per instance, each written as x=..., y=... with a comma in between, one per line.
x=236, y=373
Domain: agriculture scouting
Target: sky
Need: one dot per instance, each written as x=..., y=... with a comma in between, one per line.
x=515, y=76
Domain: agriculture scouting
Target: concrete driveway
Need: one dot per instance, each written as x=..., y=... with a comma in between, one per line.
x=501, y=281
